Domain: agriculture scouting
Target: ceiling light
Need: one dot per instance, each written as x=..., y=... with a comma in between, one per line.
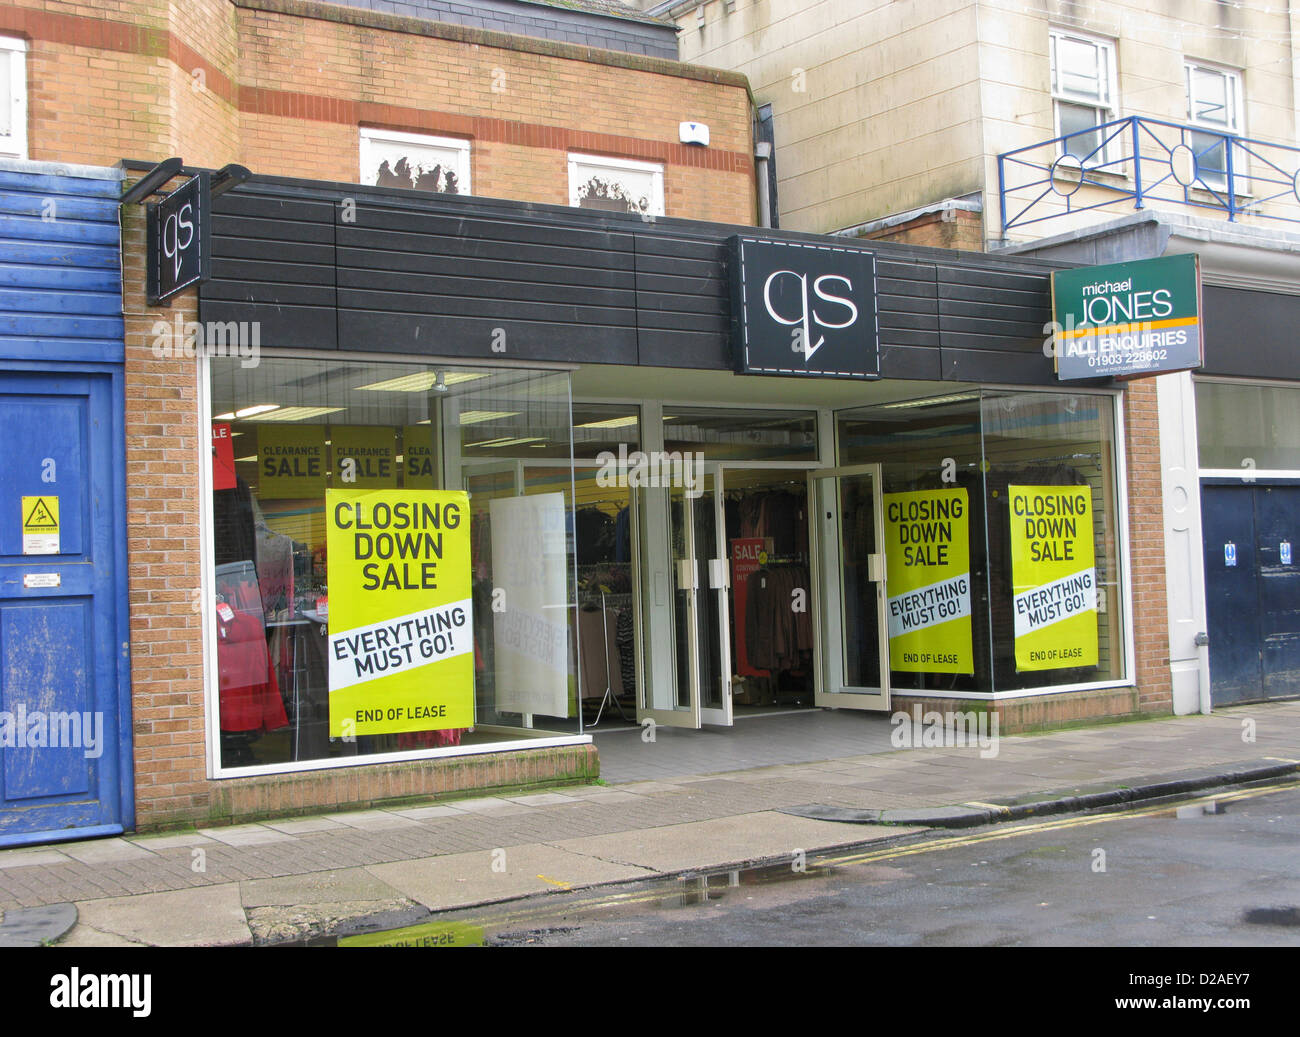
x=473, y=417
x=502, y=441
x=423, y=381
x=228, y=416
x=260, y=408
x=299, y=413
x=631, y=419
x=932, y=401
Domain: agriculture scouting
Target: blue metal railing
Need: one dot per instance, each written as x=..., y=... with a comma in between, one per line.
x=1148, y=160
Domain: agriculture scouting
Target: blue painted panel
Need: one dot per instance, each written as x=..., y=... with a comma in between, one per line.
x=81, y=232
x=1277, y=523
x=20, y=274
x=60, y=268
x=46, y=664
x=56, y=207
x=81, y=350
x=53, y=433
x=44, y=300
x=46, y=183
x=59, y=253
x=1231, y=594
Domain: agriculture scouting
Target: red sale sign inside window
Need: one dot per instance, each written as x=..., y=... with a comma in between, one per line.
x=223, y=457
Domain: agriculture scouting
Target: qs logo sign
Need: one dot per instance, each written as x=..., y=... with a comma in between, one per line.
x=179, y=239
x=803, y=309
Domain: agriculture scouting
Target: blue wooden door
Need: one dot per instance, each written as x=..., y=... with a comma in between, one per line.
x=65, y=764
x=1231, y=593
x=1277, y=536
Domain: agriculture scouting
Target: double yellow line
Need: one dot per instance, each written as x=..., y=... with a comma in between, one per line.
x=568, y=906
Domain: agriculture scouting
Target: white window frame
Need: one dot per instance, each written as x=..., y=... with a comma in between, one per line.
x=14, y=145
x=1106, y=105
x=370, y=136
x=583, y=167
x=1231, y=127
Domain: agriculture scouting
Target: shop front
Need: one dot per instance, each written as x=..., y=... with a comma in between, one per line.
x=705, y=475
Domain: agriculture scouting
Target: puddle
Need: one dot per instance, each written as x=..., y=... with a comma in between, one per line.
x=522, y=923
x=1272, y=916
x=1193, y=810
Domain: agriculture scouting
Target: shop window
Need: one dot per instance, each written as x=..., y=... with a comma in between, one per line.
x=1084, y=94
x=963, y=469
x=1242, y=427
x=287, y=432
x=13, y=98
x=415, y=161
x=1214, y=102
x=616, y=185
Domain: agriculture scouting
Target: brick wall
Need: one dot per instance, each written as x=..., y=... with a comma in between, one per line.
x=283, y=86
x=961, y=229
x=163, y=453
x=1147, y=547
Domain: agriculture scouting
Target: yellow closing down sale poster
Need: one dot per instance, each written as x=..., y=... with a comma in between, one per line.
x=1053, y=576
x=401, y=642
x=927, y=577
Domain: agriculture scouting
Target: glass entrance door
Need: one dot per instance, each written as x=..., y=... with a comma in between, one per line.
x=688, y=681
x=853, y=636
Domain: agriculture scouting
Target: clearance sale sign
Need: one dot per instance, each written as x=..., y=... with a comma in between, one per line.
x=927, y=576
x=401, y=643
x=1054, y=577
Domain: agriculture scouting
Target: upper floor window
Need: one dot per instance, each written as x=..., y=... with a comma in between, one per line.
x=1213, y=101
x=1084, y=93
x=616, y=185
x=13, y=97
x=414, y=161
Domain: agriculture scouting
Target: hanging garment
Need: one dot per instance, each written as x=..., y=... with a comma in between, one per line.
x=249, y=695
x=598, y=652
x=594, y=531
x=233, y=538
x=430, y=739
x=625, y=637
x=275, y=572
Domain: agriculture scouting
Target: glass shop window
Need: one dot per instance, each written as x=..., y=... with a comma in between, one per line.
x=289, y=431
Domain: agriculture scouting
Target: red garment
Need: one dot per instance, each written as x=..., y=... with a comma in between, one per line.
x=249, y=694
x=429, y=739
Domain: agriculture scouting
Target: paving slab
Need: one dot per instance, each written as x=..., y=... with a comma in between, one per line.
x=319, y=887
x=367, y=820
x=206, y=916
x=304, y=826
x=426, y=813
x=463, y=879
x=26, y=858
x=718, y=842
x=487, y=805
x=105, y=851
x=246, y=835
x=171, y=841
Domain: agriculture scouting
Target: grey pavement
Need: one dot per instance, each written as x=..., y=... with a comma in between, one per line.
x=294, y=878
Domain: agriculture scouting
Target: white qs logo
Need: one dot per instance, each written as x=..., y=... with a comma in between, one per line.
x=809, y=315
x=178, y=233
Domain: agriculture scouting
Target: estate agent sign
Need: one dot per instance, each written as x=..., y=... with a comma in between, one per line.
x=1129, y=319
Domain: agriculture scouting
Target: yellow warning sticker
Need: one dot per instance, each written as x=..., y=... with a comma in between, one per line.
x=40, y=525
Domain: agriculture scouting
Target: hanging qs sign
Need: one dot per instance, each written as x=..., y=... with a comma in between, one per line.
x=803, y=309
x=179, y=240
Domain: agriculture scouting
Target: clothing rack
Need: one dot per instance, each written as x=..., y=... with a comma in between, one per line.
x=609, y=695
